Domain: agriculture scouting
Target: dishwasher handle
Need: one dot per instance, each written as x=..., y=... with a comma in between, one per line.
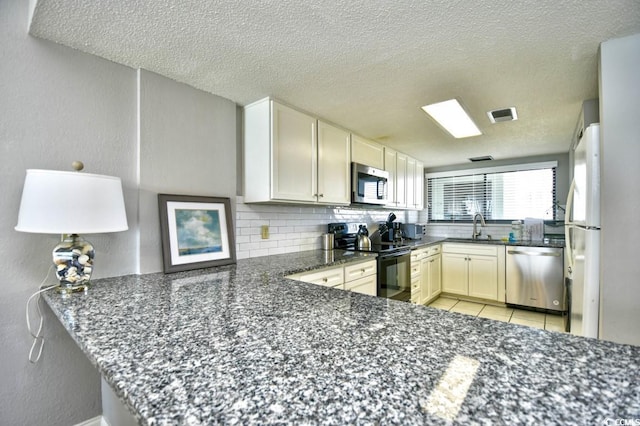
x=535, y=253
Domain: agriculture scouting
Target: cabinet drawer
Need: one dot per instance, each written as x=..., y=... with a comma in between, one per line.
x=415, y=298
x=366, y=285
x=480, y=249
x=415, y=270
x=328, y=277
x=415, y=285
x=433, y=250
x=359, y=270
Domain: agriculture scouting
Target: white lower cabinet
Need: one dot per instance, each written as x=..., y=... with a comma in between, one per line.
x=473, y=270
x=366, y=285
x=431, y=282
x=360, y=277
x=425, y=274
x=328, y=277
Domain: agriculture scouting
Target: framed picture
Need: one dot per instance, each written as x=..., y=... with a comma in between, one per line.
x=197, y=232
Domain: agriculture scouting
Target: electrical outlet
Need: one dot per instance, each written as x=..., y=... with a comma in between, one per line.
x=265, y=232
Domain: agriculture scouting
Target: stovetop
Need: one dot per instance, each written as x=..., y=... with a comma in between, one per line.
x=384, y=248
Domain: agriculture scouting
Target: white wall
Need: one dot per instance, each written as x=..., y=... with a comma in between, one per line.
x=56, y=105
x=187, y=146
x=620, y=209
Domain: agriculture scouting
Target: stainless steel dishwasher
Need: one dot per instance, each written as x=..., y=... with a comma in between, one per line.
x=535, y=277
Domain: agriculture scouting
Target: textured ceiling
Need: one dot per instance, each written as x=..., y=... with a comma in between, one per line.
x=369, y=65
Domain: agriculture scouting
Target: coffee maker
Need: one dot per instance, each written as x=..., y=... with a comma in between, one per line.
x=392, y=231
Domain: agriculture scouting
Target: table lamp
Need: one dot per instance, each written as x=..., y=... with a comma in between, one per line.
x=71, y=203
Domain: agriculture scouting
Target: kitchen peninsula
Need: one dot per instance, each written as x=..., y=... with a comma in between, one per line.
x=242, y=344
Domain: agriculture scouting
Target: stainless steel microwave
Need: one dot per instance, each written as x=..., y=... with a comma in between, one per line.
x=368, y=184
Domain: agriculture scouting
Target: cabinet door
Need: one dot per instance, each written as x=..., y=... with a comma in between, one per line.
x=483, y=277
x=435, y=277
x=424, y=280
x=410, y=182
x=367, y=152
x=334, y=165
x=390, y=166
x=366, y=285
x=401, y=180
x=419, y=185
x=455, y=273
x=294, y=155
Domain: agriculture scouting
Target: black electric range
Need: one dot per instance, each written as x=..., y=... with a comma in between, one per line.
x=393, y=260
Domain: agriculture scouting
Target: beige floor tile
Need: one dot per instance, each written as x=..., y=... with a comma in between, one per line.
x=467, y=309
x=554, y=327
x=444, y=303
x=530, y=323
x=469, y=305
x=528, y=315
x=497, y=310
x=491, y=315
x=554, y=320
x=443, y=308
x=464, y=311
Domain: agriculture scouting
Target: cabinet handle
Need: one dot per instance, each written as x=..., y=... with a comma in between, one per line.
x=325, y=279
x=321, y=195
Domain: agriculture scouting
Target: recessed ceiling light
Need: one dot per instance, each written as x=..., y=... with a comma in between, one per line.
x=452, y=117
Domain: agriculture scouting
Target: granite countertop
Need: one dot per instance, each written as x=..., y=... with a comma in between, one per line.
x=427, y=241
x=241, y=344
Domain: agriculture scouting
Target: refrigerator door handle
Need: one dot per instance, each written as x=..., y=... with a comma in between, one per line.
x=567, y=225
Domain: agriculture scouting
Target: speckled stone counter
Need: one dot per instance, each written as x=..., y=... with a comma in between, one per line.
x=241, y=344
x=427, y=241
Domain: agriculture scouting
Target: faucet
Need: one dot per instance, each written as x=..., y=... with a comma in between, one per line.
x=476, y=231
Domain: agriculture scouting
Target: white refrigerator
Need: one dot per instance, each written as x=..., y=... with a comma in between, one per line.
x=582, y=236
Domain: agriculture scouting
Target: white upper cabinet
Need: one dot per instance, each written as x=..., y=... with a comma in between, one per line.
x=367, y=152
x=295, y=155
x=390, y=167
x=401, y=180
x=410, y=186
x=419, y=186
x=334, y=165
x=290, y=156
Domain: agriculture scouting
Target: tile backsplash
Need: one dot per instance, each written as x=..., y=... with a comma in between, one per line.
x=464, y=230
x=294, y=228
x=298, y=228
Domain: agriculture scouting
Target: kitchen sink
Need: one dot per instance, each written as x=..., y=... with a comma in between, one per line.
x=483, y=240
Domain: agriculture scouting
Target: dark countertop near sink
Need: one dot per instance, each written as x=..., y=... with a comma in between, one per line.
x=427, y=241
x=241, y=344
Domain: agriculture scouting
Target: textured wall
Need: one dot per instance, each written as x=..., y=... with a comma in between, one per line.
x=187, y=146
x=56, y=105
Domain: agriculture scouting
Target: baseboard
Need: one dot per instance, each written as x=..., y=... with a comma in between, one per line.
x=96, y=421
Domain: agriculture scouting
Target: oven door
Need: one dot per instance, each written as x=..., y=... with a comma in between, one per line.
x=394, y=276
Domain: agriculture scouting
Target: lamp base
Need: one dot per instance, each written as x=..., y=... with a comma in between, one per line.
x=73, y=259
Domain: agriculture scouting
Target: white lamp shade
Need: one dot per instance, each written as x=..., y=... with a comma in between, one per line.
x=55, y=202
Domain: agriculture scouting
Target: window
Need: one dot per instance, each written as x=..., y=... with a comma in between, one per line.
x=501, y=193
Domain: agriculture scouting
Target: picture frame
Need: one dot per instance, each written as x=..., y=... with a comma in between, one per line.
x=196, y=231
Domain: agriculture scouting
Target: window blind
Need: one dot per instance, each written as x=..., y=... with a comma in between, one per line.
x=500, y=195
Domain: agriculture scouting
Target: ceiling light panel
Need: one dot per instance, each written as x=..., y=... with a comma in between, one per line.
x=452, y=117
